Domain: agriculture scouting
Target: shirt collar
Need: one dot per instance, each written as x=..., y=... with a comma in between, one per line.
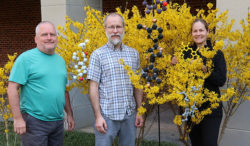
x=112, y=47
x=208, y=44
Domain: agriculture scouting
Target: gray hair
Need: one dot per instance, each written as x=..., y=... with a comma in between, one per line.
x=113, y=14
x=39, y=24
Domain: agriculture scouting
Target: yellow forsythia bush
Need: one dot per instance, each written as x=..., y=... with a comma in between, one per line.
x=179, y=82
x=5, y=112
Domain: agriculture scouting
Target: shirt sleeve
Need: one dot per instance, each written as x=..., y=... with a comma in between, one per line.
x=219, y=74
x=19, y=71
x=94, y=70
x=138, y=61
x=67, y=74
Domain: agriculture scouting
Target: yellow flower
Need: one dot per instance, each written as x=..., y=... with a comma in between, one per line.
x=141, y=110
x=209, y=5
x=5, y=117
x=122, y=62
x=177, y=120
x=235, y=100
x=214, y=105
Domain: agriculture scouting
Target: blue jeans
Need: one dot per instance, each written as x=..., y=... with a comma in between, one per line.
x=125, y=129
x=42, y=133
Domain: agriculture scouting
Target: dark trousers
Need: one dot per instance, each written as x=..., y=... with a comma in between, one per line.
x=206, y=132
x=42, y=133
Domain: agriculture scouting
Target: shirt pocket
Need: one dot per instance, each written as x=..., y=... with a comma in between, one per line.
x=132, y=62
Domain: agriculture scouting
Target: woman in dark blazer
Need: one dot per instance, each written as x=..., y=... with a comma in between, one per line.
x=206, y=132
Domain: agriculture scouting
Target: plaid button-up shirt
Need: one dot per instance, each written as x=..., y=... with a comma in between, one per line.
x=115, y=89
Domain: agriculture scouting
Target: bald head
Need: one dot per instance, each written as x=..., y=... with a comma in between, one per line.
x=42, y=22
x=112, y=15
x=46, y=37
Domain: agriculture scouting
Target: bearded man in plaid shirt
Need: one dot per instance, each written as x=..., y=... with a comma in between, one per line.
x=112, y=95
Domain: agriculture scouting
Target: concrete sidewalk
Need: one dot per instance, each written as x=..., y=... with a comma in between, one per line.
x=168, y=130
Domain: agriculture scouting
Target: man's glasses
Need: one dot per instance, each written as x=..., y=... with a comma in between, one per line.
x=118, y=27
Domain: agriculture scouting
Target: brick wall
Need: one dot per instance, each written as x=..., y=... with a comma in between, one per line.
x=196, y=4
x=110, y=5
x=18, y=19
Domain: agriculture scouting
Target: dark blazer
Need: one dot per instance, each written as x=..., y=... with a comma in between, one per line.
x=217, y=77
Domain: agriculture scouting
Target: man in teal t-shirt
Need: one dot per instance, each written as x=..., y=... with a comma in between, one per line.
x=41, y=75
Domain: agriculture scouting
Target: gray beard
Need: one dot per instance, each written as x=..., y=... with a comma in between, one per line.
x=115, y=42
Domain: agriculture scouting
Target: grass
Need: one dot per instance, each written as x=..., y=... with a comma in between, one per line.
x=77, y=138
x=74, y=138
x=14, y=139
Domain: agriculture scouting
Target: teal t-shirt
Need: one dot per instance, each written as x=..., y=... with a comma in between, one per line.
x=43, y=79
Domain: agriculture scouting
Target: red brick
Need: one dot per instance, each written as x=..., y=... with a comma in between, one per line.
x=18, y=21
x=111, y=5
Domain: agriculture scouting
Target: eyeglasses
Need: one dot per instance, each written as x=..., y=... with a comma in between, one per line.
x=118, y=27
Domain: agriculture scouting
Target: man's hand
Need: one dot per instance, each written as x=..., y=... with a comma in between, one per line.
x=101, y=125
x=139, y=121
x=19, y=126
x=71, y=123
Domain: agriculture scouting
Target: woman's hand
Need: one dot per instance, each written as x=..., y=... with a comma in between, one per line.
x=174, y=60
x=204, y=69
